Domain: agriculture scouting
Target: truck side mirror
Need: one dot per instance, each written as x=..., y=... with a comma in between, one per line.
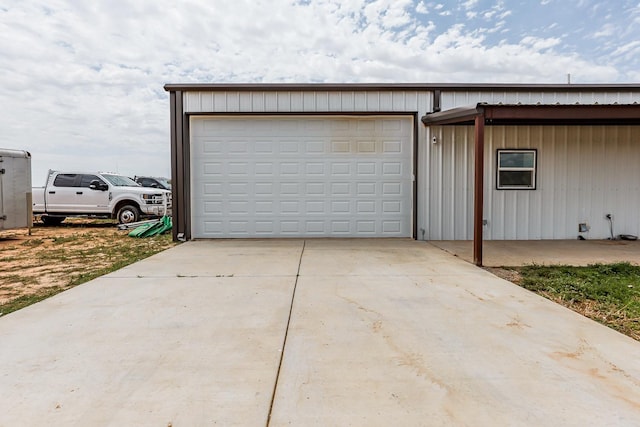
x=98, y=185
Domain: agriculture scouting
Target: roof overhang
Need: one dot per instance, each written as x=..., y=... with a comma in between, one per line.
x=448, y=87
x=538, y=114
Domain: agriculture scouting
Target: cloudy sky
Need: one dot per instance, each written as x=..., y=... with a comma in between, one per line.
x=81, y=82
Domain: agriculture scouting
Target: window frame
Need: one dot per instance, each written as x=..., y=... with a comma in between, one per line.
x=534, y=169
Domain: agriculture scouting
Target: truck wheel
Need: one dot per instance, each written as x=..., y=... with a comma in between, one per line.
x=52, y=220
x=128, y=214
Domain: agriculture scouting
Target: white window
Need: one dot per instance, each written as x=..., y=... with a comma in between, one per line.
x=516, y=170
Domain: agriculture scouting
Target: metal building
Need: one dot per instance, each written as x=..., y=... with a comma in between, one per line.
x=431, y=162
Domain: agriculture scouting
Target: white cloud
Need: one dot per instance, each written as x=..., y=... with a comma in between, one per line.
x=498, y=10
x=421, y=8
x=634, y=12
x=607, y=30
x=540, y=44
x=469, y=4
x=82, y=81
x=628, y=51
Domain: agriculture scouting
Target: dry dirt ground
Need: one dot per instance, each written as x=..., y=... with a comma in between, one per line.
x=503, y=273
x=52, y=259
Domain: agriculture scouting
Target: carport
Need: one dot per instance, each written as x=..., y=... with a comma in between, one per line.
x=484, y=114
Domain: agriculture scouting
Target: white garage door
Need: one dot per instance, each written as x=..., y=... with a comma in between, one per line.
x=275, y=176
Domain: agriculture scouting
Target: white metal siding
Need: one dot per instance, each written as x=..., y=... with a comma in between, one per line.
x=307, y=101
x=452, y=99
x=445, y=169
x=293, y=176
x=584, y=173
x=331, y=102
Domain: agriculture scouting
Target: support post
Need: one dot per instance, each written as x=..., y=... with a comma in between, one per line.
x=177, y=164
x=478, y=195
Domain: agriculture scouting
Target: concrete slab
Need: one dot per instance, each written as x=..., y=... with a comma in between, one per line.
x=148, y=351
x=379, y=257
x=381, y=332
x=380, y=345
x=511, y=253
x=221, y=258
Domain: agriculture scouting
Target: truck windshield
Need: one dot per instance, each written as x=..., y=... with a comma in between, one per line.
x=121, y=181
x=165, y=183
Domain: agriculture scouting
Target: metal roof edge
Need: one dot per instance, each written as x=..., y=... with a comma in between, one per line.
x=453, y=115
x=628, y=113
x=333, y=87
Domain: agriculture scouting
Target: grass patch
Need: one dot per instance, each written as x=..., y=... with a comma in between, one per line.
x=61, y=262
x=32, y=242
x=607, y=293
x=19, y=279
x=68, y=239
x=26, y=300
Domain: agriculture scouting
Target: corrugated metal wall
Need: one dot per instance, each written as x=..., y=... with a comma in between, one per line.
x=584, y=173
x=307, y=101
x=369, y=101
x=463, y=98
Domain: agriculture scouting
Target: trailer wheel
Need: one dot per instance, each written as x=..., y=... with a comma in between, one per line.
x=128, y=214
x=52, y=220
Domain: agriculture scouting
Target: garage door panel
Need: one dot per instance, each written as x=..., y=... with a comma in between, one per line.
x=264, y=189
x=366, y=147
x=314, y=148
x=340, y=168
x=264, y=148
x=393, y=169
x=297, y=177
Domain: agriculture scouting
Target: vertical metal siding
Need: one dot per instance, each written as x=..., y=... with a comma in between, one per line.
x=451, y=179
x=288, y=102
x=454, y=99
x=331, y=102
x=584, y=172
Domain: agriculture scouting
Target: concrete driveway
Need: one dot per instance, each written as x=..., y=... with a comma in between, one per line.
x=311, y=333
x=513, y=253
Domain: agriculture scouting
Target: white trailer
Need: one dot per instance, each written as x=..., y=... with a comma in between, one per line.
x=15, y=189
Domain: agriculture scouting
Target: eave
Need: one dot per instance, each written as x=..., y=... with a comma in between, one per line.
x=538, y=114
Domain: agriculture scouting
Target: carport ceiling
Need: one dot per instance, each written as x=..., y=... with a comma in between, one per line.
x=538, y=114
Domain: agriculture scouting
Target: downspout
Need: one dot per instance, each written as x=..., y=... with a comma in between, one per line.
x=437, y=101
x=478, y=195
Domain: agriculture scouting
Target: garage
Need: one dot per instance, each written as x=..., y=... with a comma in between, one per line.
x=301, y=176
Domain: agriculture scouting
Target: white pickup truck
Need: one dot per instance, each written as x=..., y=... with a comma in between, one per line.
x=102, y=195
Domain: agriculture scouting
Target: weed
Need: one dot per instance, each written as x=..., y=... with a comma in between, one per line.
x=608, y=293
x=26, y=300
x=67, y=239
x=18, y=278
x=33, y=242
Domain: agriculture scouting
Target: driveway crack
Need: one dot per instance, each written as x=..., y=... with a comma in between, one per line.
x=286, y=334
